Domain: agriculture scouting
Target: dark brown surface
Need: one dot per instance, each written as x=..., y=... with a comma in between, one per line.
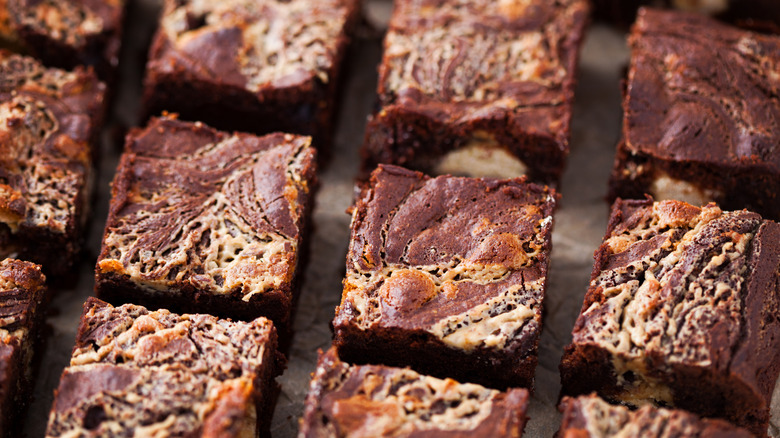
x=50, y=121
x=206, y=221
x=252, y=66
x=682, y=311
x=591, y=417
x=137, y=371
x=701, y=106
x=65, y=33
x=447, y=275
x=377, y=401
x=22, y=289
x=457, y=71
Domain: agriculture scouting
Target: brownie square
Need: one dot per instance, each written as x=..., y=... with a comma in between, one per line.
x=700, y=114
x=371, y=400
x=682, y=311
x=207, y=221
x=22, y=289
x=592, y=417
x=135, y=372
x=251, y=65
x=49, y=122
x=65, y=33
x=447, y=275
x=477, y=88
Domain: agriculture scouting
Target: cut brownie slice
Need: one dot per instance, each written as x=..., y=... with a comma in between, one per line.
x=592, y=417
x=65, y=33
x=22, y=289
x=137, y=373
x=49, y=121
x=447, y=275
x=205, y=221
x=372, y=400
x=682, y=311
x=251, y=65
x=700, y=114
x=478, y=88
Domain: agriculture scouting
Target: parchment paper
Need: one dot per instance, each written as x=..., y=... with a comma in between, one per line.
x=579, y=223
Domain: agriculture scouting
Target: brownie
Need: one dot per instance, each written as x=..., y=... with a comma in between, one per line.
x=682, y=311
x=207, y=221
x=22, y=289
x=700, y=114
x=447, y=275
x=380, y=401
x=592, y=417
x=761, y=14
x=135, y=372
x=251, y=65
x=477, y=88
x=65, y=33
x=49, y=124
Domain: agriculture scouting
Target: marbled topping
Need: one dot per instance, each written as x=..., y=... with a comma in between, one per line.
x=22, y=286
x=508, y=52
x=671, y=282
x=464, y=259
x=258, y=44
x=46, y=123
x=363, y=401
x=703, y=91
x=223, y=214
x=592, y=417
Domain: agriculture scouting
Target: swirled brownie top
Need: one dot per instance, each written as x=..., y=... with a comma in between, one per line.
x=703, y=91
x=462, y=258
x=220, y=212
x=510, y=54
x=47, y=120
x=362, y=401
x=254, y=44
x=22, y=286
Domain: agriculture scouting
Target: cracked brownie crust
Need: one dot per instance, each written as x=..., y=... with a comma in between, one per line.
x=134, y=372
x=487, y=77
x=682, y=312
x=363, y=401
x=258, y=66
x=700, y=114
x=447, y=275
x=49, y=121
x=206, y=221
x=592, y=417
x=65, y=33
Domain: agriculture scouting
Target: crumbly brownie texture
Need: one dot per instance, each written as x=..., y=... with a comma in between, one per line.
x=65, y=33
x=205, y=221
x=138, y=373
x=378, y=401
x=682, y=311
x=592, y=417
x=22, y=288
x=465, y=82
x=700, y=114
x=258, y=66
x=447, y=275
x=49, y=120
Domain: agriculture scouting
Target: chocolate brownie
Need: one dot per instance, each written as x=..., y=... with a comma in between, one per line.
x=477, y=88
x=206, y=221
x=700, y=114
x=447, y=275
x=682, y=311
x=134, y=372
x=592, y=417
x=65, y=33
x=49, y=121
x=251, y=65
x=381, y=401
x=22, y=289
